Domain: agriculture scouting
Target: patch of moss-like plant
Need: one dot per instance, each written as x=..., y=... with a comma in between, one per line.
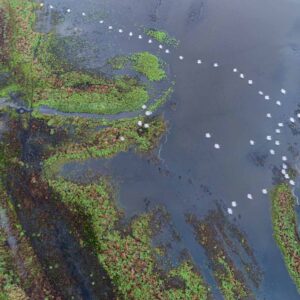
x=118, y=62
x=162, y=37
x=285, y=229
x=148, y=65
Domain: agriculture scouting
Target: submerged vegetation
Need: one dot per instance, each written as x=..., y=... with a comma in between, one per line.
x=285, y=229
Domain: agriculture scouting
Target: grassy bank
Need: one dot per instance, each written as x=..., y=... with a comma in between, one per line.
x=285, y=232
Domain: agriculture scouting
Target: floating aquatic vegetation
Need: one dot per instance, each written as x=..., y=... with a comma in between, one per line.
x=162, y=37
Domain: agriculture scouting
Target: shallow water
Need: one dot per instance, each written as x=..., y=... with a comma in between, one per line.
x=261, y=40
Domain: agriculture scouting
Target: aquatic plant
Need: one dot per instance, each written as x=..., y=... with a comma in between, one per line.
x=285, y=229
x=162, y=37
x=148, y=65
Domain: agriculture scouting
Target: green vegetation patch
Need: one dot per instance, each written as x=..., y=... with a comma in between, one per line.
x=162, y=37
x=285, y=229
x=118, y=62
x=148, y=65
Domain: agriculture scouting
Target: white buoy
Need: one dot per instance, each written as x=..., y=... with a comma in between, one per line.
x=41, y=4
x=277, y=143
x=167, y=51
x=83, y=14
x=292, y=120
x=215, y=65
x=68, y=10
x=280, y=124
x=284, y=166
x=120, y=30
x=283, y=171
x=278, y=103
x=272, y=151
x=101, y=21
x=199, y=61
x=268, y=115
x=277, y=130
x=269, y=138
x=267, y=97
x=148, y=113
x=260, y=93
x=233, y=204
x=150, y=41
x=250, y=82
x=251, y=142
x=146, y=125
x=292, y=182
x=283, y=91
x=287, y=176
x=264, y=191
x=217, y=146
x=242, y=76
x=51, y=6
x=110, y=27
x=208, y=135
x=235, y=70
x=140, y=123
x=122, y=138
x=229, y=210
x=160, y=46
x=284, y=158
x=130, y=33
x=298, y=115
x=140, y=37
x=181, y=57
x=249, y=196
x=144, y=106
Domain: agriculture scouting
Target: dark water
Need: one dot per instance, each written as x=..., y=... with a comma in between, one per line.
x=261, y=39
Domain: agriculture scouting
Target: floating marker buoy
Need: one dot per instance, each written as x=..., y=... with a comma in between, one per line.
x=140, y=123
x=167, y=51
x=292, y=182
x=51, y=7
x=208, y=135
x=250, y=82
x=251, y=142
x=269, y=138
x=199, y=61
x=283, y=171
x=249, y=196
x=101, y=21
x=284, y=166
x=234, y=70
x=83, y=14
x=277, y=130
x=298, y=115
x=148, y=113
x=150, y=41
x=277, y=143
x=130, y=33
x=110, y=27
x=122, y=138
x=41, y=4
x=229, y=210
x=272, y=152
x=292, y=120
x=234, y=204
x=120, y=30
x=284, y=158
x=146, y=125
x=181, y=57
x=280, y=124
x=160, y=46
x=267, y=97
x=68, y=10
x=286, y=176
x=283, y=91
x=264, y=191
x=242, y=76
x=217, y=146
x=268, y=115
x=215, y=65
x=278, y=103
x=260, y=93
x=140, y=37
x=144, y=106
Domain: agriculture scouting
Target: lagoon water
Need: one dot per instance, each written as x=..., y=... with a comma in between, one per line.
x=185, y=173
